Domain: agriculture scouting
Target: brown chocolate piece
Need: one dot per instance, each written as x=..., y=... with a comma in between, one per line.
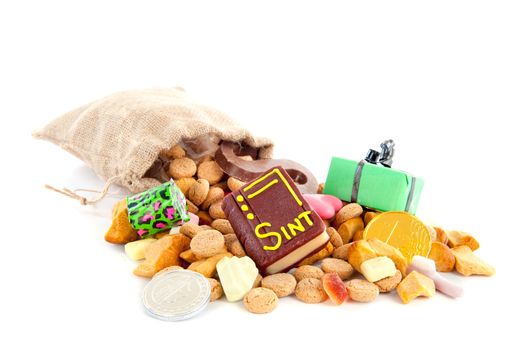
x=274, y=223
x=228, y=157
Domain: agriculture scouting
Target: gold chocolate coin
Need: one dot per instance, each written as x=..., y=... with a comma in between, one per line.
x=401, y=230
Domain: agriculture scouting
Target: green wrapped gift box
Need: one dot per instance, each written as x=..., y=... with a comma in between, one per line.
x=373, y=185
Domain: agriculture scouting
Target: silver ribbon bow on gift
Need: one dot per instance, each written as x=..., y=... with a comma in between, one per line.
x=385, y=158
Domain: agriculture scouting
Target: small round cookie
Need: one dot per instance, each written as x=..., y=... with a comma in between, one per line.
x=234, y=184
x=204, y=217
x=184, y=184
x=342, y=252
x=388, y=284
x=189, y=229
x=215, y=210
x=198, y=191
x=182, y=167
x=215, y=194
x=257, y=281
x=335, y=237
x=308, y=271
x=341, y=267
x=210, y=171
x=216, y=290
x=260, y=300
x=192, y=208
x=348, y=212
x=223, y=226
x=207, y=243
x=361, y=290
x=283, y=284
x=175, y=152
x=234, y=246
x=310, y=290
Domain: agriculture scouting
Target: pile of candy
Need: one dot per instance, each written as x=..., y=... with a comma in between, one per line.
x=264, y=239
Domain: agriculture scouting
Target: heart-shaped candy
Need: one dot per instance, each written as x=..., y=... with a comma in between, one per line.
x=324, y=205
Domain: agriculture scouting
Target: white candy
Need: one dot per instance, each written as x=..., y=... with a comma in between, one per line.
x=237, y=276
x=135, y=250
x=378, y=268
x=427, y=267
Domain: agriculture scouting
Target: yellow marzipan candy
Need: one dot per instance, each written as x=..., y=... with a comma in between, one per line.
x=414, y=286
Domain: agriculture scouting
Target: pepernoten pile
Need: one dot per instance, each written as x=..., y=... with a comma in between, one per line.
x=215, y=215
x=269, y=238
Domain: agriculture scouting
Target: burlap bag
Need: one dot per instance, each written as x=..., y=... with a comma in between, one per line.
x=122, y=135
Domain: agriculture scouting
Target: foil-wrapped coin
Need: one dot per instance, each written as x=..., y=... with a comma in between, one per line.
x=401, y=230
x=176, y=295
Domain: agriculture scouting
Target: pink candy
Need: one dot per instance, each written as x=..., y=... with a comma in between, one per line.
x=324, y=205
x=194, y=219
x=427, y=267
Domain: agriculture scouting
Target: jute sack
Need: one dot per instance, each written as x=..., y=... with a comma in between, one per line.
x=121, y=136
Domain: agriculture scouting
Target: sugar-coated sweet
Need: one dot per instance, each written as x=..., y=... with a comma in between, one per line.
x=324, y=205
x=427, y=267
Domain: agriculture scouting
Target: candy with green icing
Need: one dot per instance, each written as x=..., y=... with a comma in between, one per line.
x=157, y=209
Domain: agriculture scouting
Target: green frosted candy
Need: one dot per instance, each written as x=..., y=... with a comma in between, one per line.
x=157, y=209
x=379, y=188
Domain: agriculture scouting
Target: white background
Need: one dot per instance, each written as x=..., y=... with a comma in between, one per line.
x=444, y=79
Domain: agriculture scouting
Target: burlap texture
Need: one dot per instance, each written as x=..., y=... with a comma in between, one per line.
x=120, y=136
